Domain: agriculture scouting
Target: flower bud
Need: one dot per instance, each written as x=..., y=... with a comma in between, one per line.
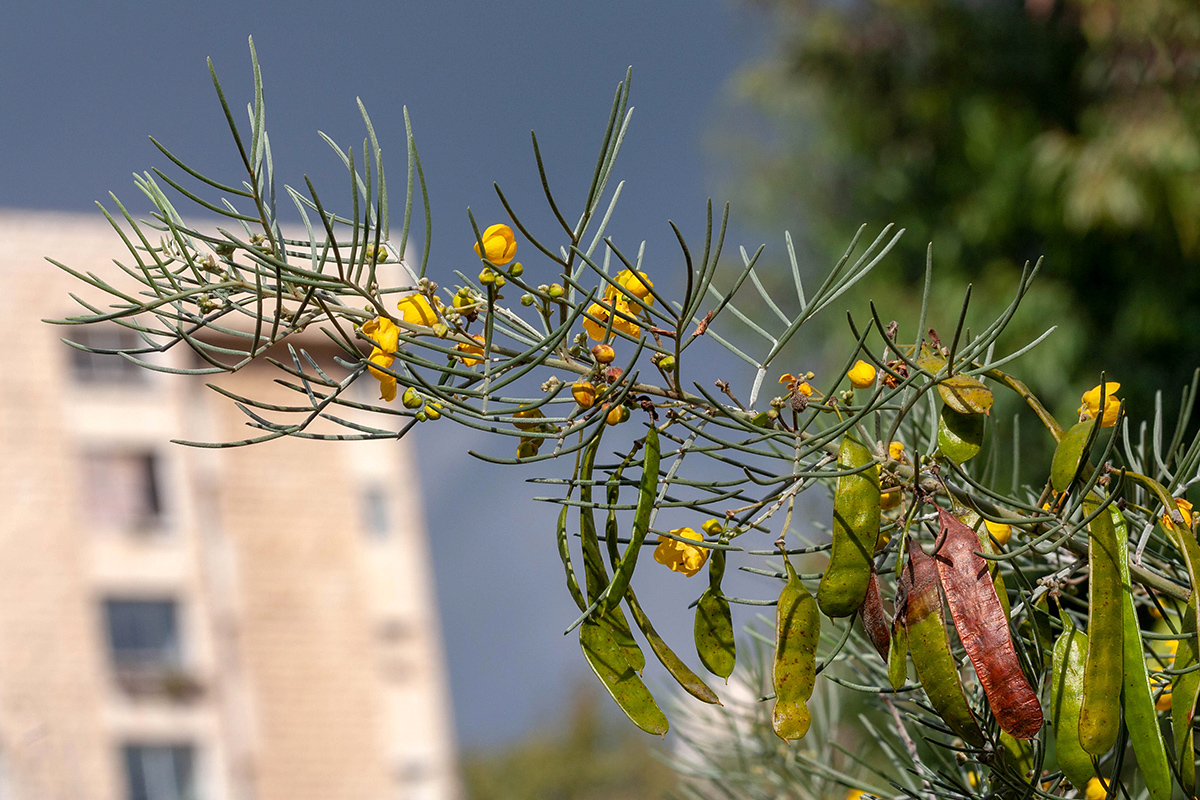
x=713, y=527
x=516, y=270
x=526, y=300
x=487, y=277
x=499, y=281
x=667, y=364
x=528, y=448
x=861, y=375
x=433, y=411
x=617, y=415
x=534, y=414
x=584, y=393
x=556, y=291
x=411, y=398
x=604, y=353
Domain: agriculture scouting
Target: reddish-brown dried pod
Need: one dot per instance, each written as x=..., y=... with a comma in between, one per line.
x=875, y=620
x=983, y=629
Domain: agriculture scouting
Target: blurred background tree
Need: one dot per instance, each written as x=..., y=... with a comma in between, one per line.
x=588, y=754
x=1000, y=131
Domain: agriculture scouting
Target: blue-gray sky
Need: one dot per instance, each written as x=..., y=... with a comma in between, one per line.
x=83, y=84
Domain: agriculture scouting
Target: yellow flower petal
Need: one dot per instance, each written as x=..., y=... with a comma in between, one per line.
x=499, y=245
x=680, y=556
x=861, y=375
x=384, y=333
x=1112, y=405
x=416, y=310
x=636, y=284
x=1000, y=532
x=1185, y=509
x=382, y=359
x=1095, y=790
x=595, y=327
x=896, y=451
x=625, y=325
x=471, y=349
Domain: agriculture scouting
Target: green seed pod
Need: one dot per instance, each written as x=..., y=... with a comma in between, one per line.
x=1141, y=718
x=608, y=661
x=1068, y=455
x=1100, y=716
x=898, y=652
x=930, y=646
x=593, y=566
x=856, y=517
x=1184, y=692
x=714, y=624
x=966, y=395
x=647, y=490
x=797, y=632
x=959, y=436
x=687, y=679
x=962, y=393
x=1066, y=698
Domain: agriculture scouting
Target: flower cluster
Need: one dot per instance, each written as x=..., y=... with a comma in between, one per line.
x=618, y=308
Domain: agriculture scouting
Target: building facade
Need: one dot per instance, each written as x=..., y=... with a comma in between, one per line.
x=177, y=623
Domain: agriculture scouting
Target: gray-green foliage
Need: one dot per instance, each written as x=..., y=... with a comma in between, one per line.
x=245, y=291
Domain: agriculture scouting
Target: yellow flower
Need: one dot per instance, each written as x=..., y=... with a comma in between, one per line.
x=471, y=349
x=797, y=384
x=1091, y=404
x=896, y=451
x=636, y=284
x=1096, y=790
x=386, y=335
x=890, y=498
x=855, y=794
x=416, y=310
x=596, y=327
x=1000, y=532
x=681, y=556
x=861, y=375
x=1185, y=508
x=1163, y=703
x=499, y=245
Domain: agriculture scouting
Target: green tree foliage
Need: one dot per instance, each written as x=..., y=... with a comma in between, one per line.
x=1000, y=131
x=587, y=755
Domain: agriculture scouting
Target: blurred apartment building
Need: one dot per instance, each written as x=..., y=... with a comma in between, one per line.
x=188, y=624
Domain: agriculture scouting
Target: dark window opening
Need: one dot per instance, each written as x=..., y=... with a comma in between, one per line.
x=160, y=772
x=121, y=489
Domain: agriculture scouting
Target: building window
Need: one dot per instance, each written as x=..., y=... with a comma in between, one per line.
x=106, y=367
x=143, y=634
x=121, y=489
x=160, y=772
x=375, y=518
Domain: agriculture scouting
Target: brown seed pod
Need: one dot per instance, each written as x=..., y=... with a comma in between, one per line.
x=983, y=629
x=875, y=620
